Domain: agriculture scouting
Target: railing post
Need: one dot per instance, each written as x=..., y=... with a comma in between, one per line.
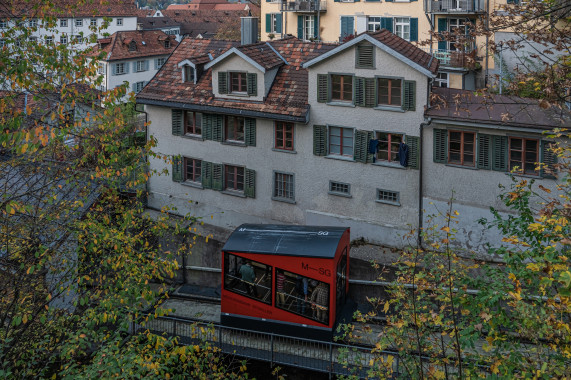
x=272, y=349
x=330, y=360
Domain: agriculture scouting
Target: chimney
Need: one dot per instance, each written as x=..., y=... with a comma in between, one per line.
x=249, y=30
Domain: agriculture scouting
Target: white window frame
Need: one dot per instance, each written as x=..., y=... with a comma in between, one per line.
x=439, y=81
x=308, y=27
x=340, y=155
x=101, y=68
x=273, y=22
x=119, y=22
x=373, y=23
x=78, y=22
x=33, y=23
x=49, y=40
x=3, y=24
x=93, y=22
x=140, y=66
x=123, y=68
x=63, y=39
x=289, y=188
x=63, y=23
x=161, y=62
x=404, y=23
x=388, y=202
x=139, y=86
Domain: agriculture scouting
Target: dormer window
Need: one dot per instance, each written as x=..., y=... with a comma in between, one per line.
x=188, y=74
x=167, y=44
x=132, y=46
x=238, y=82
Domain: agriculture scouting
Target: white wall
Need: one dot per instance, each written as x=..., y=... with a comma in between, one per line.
x=111, y=81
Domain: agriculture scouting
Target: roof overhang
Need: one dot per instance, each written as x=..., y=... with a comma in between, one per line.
x=375, y=42
x=480, y=124
x=238, y=53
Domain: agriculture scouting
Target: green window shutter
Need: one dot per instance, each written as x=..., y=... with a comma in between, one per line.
x=217, y=176
x=207, y=175
x=250, y=127
x=442, y=27
x=250, y=183
x=177, y=122
x=278, y=22
x=484, y=151
x=387, y=23
x=223, y=82
x=413, y=151
x=549, y=160
x=319, y=140
x=413, y=28
x=365, y=56
x=409, y=103
x=370, y=136
x=500, y=153
x=252, y=84
x=300, y=27
x=360, y=91
x=361, y=146
x=315, y=26
x=207, y=126
x=440, y=152
x=177, y=168
x=268, y=22
x=370, y=92
x=217, y=126
x=322, y=88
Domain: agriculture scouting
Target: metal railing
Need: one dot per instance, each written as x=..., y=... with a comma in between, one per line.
x=303, y=6
x=454, y=58
x=455, y=6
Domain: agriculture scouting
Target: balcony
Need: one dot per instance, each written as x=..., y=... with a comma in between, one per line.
x=455, y=6
x=456, y=59
x=303, y=6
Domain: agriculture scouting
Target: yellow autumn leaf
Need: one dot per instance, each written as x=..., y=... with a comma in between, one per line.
x=532, y=266
x=386, y=307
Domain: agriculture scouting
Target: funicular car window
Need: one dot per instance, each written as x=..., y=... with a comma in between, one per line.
x=341, y=280
x=302, y=296
x=248, y=278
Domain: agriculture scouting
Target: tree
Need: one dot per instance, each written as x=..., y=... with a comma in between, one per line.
x=77, y=252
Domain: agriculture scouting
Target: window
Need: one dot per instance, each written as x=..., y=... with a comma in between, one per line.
x=342, y=88
x=33, y=23
x=3, y=23
x=234, y=128
x=63, y=23
x=238, y=82
x=524, y=154
x=233, y=178
x=49, y=40
x=248, y=278
x=77, y=39
x=284, y=135
x=308, y=27
x=461, y=148
x=101, y=68
x=339, y=188
x=441, y=80
x=79, y=22
x=119, y=22
x=93, y=22
x=192, y=123
x=63, y=39
x=390, y=92
x=341, y=141
x=33, y=39
x=160, y=62
x=283, y=186
x=373, y=24
x=2, y=42
x=388, y=148
x=402, y=27
x=275, y=23
x=388, y=197
x=167, y=44
x=120, y=69
x=192, y=170
x=139, y=86
x=456, y=26
x=141, y=66
x=188, y=73
x=132, y=46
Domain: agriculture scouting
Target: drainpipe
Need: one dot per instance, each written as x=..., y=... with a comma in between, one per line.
x=421, y=174
x=487, y=53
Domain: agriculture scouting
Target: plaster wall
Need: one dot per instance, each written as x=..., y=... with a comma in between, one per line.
x=236, y=63
x=112, y=81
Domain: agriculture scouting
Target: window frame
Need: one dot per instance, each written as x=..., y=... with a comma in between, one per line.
x=3, y=24
x=273, y=22
x=159, y=64
x=385, y=201
x=195, y=130
x=389, y=150
x=240, y=91
x=373, y=23
x=141, y=66
x=33, y=23
x=140, y=84
x=536, y=173
x=235, y=169
x=285, y=125
x=378, y=92
x=439, y=81
x=339, y=193
x=186, y=70
x=49, y=40
x=119, y=21
x=167, y=44
x=287, y=186
x=235, y=130
x=93, y=22
x=462, y=140
x=123, y=68
x=255, y=265
x=341, y=101
x=403, y=24
x=308, y=27
x=63, y=39
x=63, y=23
x=197, y=167
x=340, y=155
x=78, y=22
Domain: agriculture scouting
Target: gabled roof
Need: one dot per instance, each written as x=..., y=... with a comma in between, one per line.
x=393, y=45
x=259, y=55
x=148, y=43
x=468, y=107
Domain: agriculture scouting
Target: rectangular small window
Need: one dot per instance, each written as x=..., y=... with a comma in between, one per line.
x=139, y=86
x=120, y=68
x=49, y=40
x=284, y=186
x=284, y=135
x=308, y=27
x=2, y=42
x=233, y=178
x=119, y=22
x=524, y=155
x=79, y=22
x=140, y=66
x=402, y=27
x=192, y=170
x=63, y=23
x=160, y=62
x=3, y=23
x=33, y=23
x=33, y=39
x=342, y=88
x=389, y=92
x=461, y=148
x=234, y=128
x=93, y=22
x=388, y=148
x=188, y=73
x=373, y=24
x=77, y=39
x=63, y=39
x=192, y=123
x=341, y=141
x=274, y=22
x=248, y=278
x=238, y=82
x=441, y=80
x=167, y=44
x=339, y=188
x=389, y=197
x=101, y=68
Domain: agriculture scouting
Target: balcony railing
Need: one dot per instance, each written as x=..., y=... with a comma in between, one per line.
x=455, y=6
x=303, y=6
x=457, y=59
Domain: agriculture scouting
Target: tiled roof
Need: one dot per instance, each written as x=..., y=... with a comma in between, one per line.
x=407, y=49
x=70, y=8
x=467, y=106
x=262, y=54
x=287, y=97
x=152, y=23
x=149, y=43
x=203, y=22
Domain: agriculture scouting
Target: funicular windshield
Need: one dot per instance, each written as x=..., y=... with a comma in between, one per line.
x=248, y=278
x=302, y=296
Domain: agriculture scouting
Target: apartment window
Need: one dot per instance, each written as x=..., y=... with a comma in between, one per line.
x=139, y=86
x=101, y=68
x=341, y=141
x=2, y=43
x=33, y=39
x=284, y=135
x=342, y=88
x=49, y=40
x=119, y=22
x=79, y=22
x=388, y=197
x=167, y=44
x=192, y=170
x=373, y=24
x=524, y=154
x=120, y=68
x=188, y=73
x=389, y=92
x=234, y=128
x=456, y=26
x=308, y=27
x=388, y=148
x=93, y=22
x=33, y=23
x=284, y=188
x=192, y=123
x=160, y=62
x=275, y=25
x=132, y=46
x=238, y=82
x=63, y=39
x=77, y=39
x=402, y=27
x=3, y=24
x=233, y=178
x=441, y=80
x=63, y=23
x=141, y=66
x=461, y=148
x=339, y=188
